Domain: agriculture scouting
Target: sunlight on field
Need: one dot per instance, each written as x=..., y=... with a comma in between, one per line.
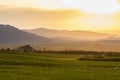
x=54, y=67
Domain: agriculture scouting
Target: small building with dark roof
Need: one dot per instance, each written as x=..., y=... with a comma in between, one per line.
x=26, y=48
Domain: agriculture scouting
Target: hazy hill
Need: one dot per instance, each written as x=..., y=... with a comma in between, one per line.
x=111, y=40
x=82, y=40
x=69, y=35
x=10, y=34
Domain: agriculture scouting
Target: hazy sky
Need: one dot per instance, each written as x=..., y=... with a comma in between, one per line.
x=61, y=14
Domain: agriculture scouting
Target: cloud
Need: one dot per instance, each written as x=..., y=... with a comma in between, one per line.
x=116, y=18
x=2, y=6
x=58, y=19
x=38, y=17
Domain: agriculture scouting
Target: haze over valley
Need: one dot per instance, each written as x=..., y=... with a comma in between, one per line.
x=72, y=35
x=59, y=39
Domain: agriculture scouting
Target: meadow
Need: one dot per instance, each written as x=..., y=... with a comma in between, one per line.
x=53, y=66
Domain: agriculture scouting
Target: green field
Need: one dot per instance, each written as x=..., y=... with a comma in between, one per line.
x=55, y=67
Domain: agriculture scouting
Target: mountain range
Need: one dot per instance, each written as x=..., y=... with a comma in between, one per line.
x=73, y=35
x=59, y=39
x=10, y=34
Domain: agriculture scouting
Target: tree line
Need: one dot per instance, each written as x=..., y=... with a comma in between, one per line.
x=29, y=49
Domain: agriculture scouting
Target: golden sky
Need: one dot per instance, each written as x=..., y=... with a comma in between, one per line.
x=62, y=14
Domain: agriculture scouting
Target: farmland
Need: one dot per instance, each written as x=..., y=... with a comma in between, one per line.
x=53, y=66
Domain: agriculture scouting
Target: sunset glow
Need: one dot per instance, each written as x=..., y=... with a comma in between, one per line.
x=62, y=14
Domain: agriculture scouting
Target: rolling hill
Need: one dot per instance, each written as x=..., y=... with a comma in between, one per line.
x=61, y=39
x=79, y=40
x=10, y=34
x=78, y=35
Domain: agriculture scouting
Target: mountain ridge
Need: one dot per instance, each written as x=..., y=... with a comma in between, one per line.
x=70, y=34
x=11, y=34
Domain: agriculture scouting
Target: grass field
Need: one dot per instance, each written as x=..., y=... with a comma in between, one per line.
x=55, y=67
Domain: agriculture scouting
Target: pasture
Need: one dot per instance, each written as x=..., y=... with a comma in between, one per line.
x=45, y=66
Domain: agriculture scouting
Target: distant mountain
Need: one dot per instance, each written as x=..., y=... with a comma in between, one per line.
x=112, y=40
x=62, y=39
x=10, y=34
x=69, y=35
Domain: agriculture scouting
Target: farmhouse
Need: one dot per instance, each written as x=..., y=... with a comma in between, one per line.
x=26, y=48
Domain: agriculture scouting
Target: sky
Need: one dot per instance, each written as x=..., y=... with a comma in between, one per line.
x=93, y=15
